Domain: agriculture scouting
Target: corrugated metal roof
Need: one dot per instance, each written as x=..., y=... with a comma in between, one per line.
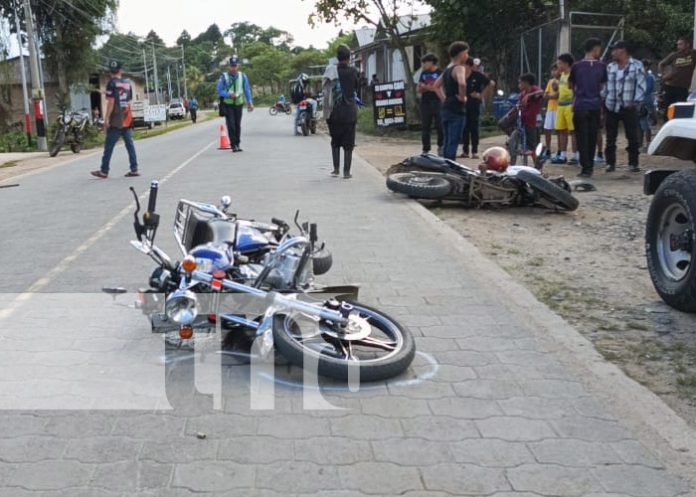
x=413, y=23
x=365, y=36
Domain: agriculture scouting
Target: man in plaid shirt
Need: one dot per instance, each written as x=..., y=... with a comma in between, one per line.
x=623, y=96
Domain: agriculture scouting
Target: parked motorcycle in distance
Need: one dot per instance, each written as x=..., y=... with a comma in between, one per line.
x=308, y=118
x=226, y=258
x=280, y=107
x=496, y=183
x=71, y=130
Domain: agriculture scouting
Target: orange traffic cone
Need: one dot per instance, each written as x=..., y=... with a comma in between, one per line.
x=224, y=141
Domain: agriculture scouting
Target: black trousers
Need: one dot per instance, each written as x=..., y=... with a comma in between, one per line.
x=233, y=119
x=586, y=124
x=430, y=114
x=672, y=95
x=194, y=114
x=630, y=120
x=471, y=130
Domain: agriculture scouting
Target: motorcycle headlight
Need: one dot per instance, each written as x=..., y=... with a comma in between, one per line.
x=182, y=307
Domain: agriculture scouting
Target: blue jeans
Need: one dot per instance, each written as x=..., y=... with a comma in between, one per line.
x=112, y=136
x=452, y=129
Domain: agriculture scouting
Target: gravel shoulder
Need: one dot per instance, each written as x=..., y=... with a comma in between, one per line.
x=589, y=266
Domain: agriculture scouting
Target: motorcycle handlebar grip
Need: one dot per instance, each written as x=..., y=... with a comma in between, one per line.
x=278, y=222
x=152, y=201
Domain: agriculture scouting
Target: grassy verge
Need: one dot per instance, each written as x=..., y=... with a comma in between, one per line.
x=95, y=139
x=366, y=125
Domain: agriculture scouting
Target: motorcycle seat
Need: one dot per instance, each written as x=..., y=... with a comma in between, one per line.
x=201, y=229
x=428, y=161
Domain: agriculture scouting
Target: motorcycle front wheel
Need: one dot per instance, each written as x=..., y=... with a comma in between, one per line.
x=273, y=111
x=57, y=143
x=376, y=344
x=549, y=192
x=76, y=146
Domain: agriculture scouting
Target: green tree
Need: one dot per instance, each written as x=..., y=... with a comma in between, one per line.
x=244, y=33
x=491, y=27
x=212, y=35
x=153, y=37
x=387, y=17
x=183, y=39
x=67, y=31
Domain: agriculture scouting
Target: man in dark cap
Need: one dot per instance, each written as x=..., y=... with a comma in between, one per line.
x=623, y=97
x=235, y=91
x=118, y=120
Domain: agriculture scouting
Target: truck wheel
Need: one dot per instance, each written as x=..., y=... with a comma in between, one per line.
x=670, y=241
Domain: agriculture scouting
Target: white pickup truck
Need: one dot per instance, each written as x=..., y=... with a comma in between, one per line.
x=670, y=236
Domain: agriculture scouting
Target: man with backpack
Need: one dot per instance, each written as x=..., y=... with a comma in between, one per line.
x=340, y=84
x=234, y=91
x=118, y=120
x=297, y=95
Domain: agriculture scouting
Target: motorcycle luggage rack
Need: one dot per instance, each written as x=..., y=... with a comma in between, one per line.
x=188, y=216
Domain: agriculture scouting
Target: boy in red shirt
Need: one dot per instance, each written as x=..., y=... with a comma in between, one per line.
x=531, y=98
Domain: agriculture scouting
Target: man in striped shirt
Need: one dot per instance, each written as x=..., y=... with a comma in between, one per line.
x=623, y=97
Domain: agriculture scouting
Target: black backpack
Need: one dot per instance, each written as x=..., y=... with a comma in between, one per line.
x=297, y=93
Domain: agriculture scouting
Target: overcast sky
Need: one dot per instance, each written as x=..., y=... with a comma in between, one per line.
x=169, y=17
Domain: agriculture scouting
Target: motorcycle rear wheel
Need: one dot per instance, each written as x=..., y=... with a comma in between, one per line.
x=57, y=143
x=303, y=125
x=419, y=185
x=336, y=357
x=288, y=110
x=76, y=147
x=551, y=193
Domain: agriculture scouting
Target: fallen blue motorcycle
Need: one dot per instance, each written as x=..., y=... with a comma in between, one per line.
x=257, y=279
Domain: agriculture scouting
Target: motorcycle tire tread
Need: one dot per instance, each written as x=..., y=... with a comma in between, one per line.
x=550, y=192
x=677, y=188
x=322, y=260
x=439, y=189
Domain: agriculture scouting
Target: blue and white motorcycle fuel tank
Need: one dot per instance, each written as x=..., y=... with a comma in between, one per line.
x=210, y=258
x=250, y=240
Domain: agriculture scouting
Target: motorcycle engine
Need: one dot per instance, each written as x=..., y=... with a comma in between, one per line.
x=248, y=273
x=282, y=276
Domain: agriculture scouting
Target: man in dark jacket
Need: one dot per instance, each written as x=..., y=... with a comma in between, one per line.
x=344, y=112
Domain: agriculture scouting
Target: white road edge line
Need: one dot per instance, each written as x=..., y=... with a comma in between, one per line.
x=63, y=265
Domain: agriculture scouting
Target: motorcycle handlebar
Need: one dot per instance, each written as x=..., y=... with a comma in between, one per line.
x=152, y=201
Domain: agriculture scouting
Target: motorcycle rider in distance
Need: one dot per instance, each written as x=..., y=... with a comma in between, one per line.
x=299, y=93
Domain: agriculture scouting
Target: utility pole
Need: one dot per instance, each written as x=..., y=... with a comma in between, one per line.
x=169, y=82
x=183, y=64
x=25, y=93
x=147, y=82
x=36, y=92
x=178, y=82
x=564, y=32
x=154, y=60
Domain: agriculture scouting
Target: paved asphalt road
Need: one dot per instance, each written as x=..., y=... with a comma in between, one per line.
x=89, y=406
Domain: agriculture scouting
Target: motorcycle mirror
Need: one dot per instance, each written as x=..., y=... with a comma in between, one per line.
x=225, y=201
